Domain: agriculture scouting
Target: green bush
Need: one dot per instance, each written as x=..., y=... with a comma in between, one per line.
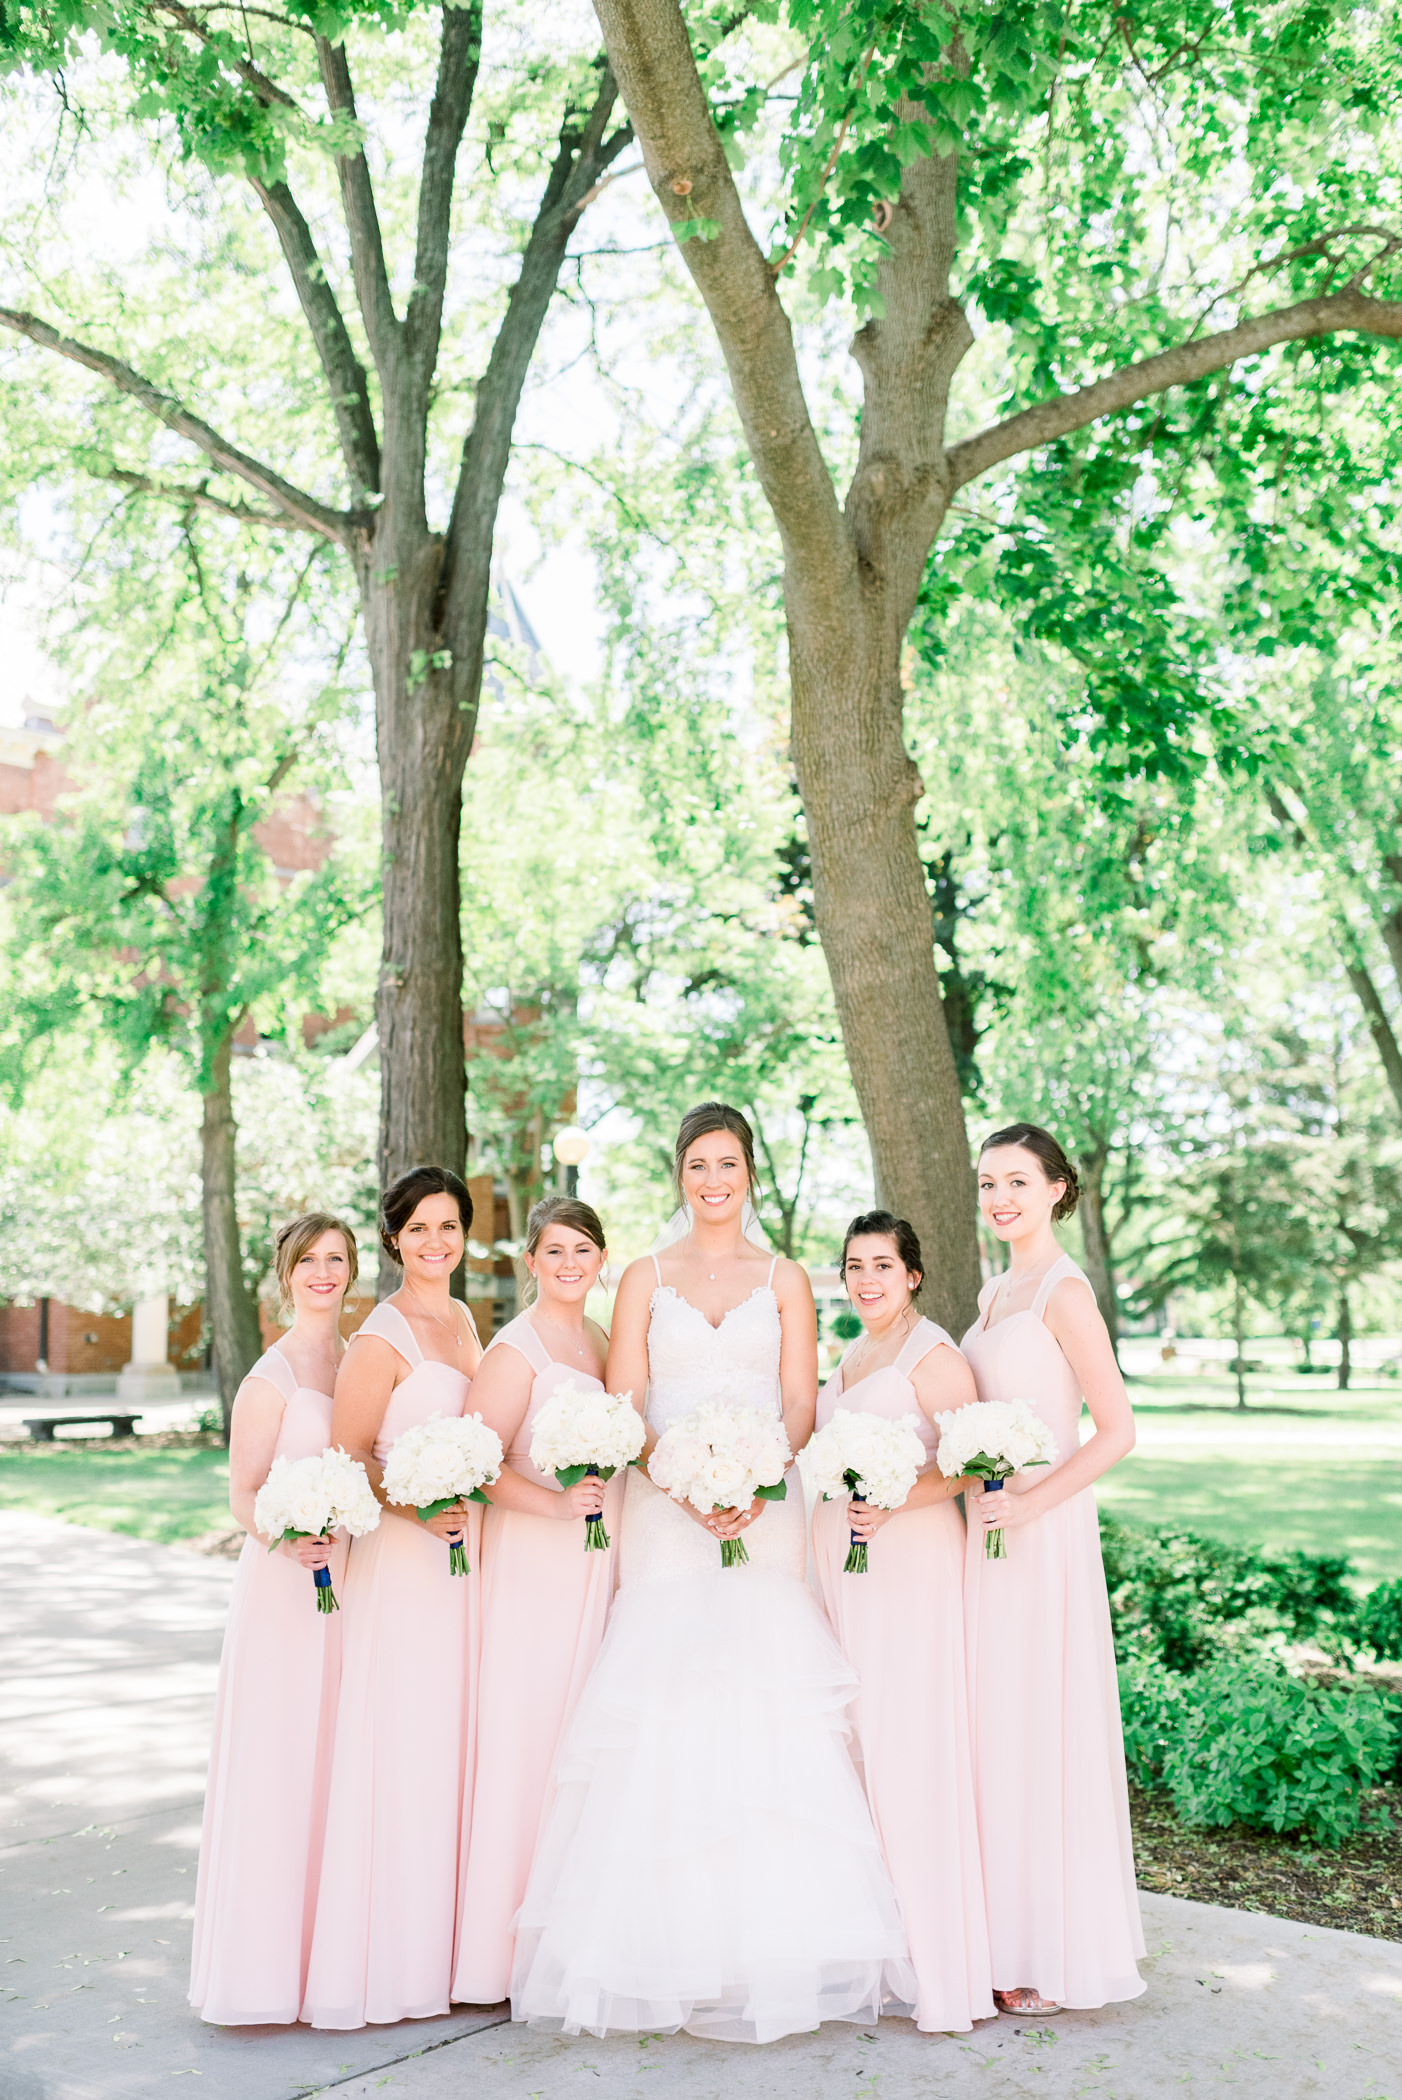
x=1184, y=1600
x=1248, y=1743
x=1380, y=1620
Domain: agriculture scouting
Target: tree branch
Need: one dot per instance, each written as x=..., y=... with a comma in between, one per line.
x=198, y=497
x=651, y=53
x=1177, y=367
x=585, y=151
x=362, y=219
x=300, y=508
x=460, y=53
x=345, y=375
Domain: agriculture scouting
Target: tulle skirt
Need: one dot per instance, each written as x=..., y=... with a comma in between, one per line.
x=708, y=1860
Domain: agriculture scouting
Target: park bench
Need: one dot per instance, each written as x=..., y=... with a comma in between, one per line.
x=42, y=1428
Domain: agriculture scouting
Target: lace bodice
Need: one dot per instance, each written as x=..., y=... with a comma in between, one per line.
x=689, y=1360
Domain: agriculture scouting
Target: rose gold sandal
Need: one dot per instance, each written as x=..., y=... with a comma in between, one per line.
x=1024, y=2001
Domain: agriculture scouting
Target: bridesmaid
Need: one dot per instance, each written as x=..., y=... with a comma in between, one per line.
x=544, y=1599
x=382, y=1949
x=265, y=1804
x=1049, y=1769
x=901, y=1627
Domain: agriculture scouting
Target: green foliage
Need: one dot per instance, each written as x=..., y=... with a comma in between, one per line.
x=1179, y=1599
x=1244, y=1742
x=1380, y=1620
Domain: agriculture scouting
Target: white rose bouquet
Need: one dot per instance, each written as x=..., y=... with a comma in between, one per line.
x=447, y=1459
x=992, y=1440
x=722, y=1458
x=577, y=1434
x=868, y=1457
x=309, y=1498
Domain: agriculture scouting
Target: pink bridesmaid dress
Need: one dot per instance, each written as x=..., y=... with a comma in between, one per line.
x=265, y=1803
x=1049, y=1767
x=901, y=1626
x=544, y=1603
x=382, y=1949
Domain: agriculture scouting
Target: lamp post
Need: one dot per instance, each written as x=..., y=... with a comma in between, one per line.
x=571, y=1148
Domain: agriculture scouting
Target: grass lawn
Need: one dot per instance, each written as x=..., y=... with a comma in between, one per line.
x=1302, y=1466
x=166, y=1488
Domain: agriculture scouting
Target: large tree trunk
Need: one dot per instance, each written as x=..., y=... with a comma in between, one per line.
x=230, y=1306
x=859, y=790
x=1095, y=1235
x=1379, y=1022
x=424, y=727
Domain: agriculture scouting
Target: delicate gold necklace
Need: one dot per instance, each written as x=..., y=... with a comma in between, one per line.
x=538, y=1321
x=453, y=1330
x=868, y=1345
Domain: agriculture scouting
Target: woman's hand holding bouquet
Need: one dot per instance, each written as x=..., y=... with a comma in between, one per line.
x=581, y=1435
x=991, y=1440
x=439, y=1466
x=868, y=1457
x=303, y=1500
x=722, y=1458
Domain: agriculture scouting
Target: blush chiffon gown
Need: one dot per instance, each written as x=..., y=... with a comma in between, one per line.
x=544, y=1604
x=382, y=1949
x=707, y=1860
x=1049, y=1768
x=901, y=1627
x=265, y=1802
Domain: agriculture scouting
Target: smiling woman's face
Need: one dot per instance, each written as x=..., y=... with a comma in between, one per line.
x=433, y=1242
x=1014, y=1193
x=878, y=1282
x=566, y=1263
x=318, y=1282
x=715, y=1179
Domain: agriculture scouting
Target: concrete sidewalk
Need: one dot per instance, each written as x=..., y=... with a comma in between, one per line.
x=108, y=1654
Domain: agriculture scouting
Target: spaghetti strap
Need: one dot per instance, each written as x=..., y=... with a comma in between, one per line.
x=658, y=1267
x=1059, y=1270
x=273, y=1366
x=519, y=1334
x=389, y=1323
x=769, y=1279
x=924, y=1336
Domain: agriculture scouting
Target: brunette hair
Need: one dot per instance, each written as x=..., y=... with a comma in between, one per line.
x=403, y=1197
x=1049, y=1157
x=560, y=1210
x=887, y=1226
x=297, y=1237
x=699, y=1122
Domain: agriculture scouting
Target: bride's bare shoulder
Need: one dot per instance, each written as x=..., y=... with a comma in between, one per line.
x=790, y=1280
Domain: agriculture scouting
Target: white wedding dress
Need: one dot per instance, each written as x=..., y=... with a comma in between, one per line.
x=707, y=1859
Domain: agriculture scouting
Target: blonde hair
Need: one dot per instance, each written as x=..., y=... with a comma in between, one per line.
x=297, y=1237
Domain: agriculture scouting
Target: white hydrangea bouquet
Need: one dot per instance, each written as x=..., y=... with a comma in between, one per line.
x=722, y=1458
x=447, y=1459
x=578, y=1434
x=992, y=1440
x=309, y=1498
x=869, y=1457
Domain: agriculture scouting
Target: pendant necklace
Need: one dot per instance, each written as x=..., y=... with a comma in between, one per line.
x=457, y=1338
x=550, y=1323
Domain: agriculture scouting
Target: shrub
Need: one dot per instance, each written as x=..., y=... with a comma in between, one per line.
x=1380, y=1620
x=1183, y=1599
x=1250, y=1744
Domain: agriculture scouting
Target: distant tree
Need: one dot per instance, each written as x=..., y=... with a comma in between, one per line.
x=150, y=907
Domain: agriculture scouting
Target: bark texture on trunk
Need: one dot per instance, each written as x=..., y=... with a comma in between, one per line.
x=1095, y=1236
x=230, y=1306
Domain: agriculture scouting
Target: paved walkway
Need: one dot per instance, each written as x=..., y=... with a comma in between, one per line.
x=108, y=1652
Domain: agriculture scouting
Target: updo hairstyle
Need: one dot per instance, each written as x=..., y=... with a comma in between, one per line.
x=297, y=1237
x=699, y=1122
x=889, y=1227
x=560, y=1210
x=403, y=1197
x=1049, y=1157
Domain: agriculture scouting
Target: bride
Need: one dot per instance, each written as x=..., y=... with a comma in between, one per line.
x=708, y=1860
